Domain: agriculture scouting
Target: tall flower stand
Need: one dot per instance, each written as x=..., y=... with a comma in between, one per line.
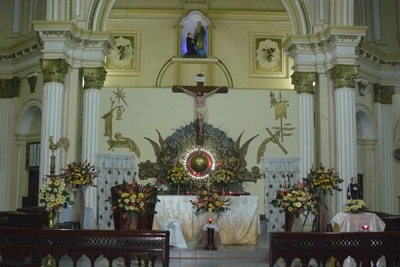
x=289, y=217
x=211, y=229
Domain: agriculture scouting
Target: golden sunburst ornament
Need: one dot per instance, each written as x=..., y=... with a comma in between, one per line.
x=120, y=95
x=199, y=162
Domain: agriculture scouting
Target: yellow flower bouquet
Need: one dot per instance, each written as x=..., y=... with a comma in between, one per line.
x=177, y=176
x=323, y=181
x=54, y=195
x=354, y=205
x=135, y=198
x=209, y=201
x=296, y=199
x=79, y=174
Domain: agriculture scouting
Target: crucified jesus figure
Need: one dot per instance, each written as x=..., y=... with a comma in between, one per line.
x=201, y=109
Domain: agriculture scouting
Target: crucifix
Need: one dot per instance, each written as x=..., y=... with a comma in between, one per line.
x=200, y=93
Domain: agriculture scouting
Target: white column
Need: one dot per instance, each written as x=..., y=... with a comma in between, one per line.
x=304, y=85
x=51, y=125
x=94, y=79
x=54, y=71
x=345, y=124
x=6, y=144
x=385, y=144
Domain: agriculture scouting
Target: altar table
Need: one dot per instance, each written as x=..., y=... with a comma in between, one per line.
x=349, y=222
x=238, y=225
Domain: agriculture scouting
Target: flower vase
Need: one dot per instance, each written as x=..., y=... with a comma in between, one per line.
x=131, y=221
x=178, y=189
x=79, y=205
x=303, y=223
x=289, y=218
x=355, y=211
x=51, y=219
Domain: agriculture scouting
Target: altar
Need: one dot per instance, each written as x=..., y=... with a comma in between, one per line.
x=238, y=225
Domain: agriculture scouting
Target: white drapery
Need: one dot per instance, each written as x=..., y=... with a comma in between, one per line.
x=278, y=172
x=113, y=169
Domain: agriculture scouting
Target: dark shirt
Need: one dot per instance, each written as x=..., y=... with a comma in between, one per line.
x=355, y=191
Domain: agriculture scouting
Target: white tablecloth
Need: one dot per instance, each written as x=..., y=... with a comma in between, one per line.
x=349, y=222
x=238, y=225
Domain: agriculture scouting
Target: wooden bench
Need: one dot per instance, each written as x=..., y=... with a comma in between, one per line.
x=22, y=244
x=364, y=247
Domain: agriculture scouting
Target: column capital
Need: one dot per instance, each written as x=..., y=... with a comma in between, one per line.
x=94, y=77
x=383, y=94
x=304, y=82
x=54, y=70
x=344, y=76
x=9, y=88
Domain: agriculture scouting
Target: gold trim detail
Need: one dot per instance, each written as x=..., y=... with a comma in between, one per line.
x=344, y=76
x=303, y=82
x=9, y=88
x=94, y=78
x=383, y=94
x=54, y=70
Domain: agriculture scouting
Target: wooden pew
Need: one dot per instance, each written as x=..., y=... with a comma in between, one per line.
x=364, y=247
x=22, y=244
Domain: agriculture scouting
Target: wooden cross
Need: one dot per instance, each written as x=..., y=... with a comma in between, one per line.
x=192, y=90
x=200, y=86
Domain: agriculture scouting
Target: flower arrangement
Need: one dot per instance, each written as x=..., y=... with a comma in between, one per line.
x=296, y=199
x=323, y=181
x=54, y=195
x=135, y=198
x=209, y=201
x=354, y=205
x=177, y=175
x=79, y=174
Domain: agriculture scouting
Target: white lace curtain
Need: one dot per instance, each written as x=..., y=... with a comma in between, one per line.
x=278, y=172
x=113, y=169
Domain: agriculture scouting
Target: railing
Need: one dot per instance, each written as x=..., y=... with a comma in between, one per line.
x=364, y=248
x=21, y=244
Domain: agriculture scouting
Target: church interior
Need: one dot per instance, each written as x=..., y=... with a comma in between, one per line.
x=274, y=89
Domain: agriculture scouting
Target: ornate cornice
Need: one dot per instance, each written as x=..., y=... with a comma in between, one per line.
x=343, y=76
x=383, y=94
x=9, y=87
x=94, y=77
x=54, y=70
x=21, y=52
x=303, y=82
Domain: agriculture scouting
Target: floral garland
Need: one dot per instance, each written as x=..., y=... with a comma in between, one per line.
x=79, y=174
x=135, y=198
x=54, y=195
x=323, y=181
x=296, y=199
x=209, y=201
x=354, y=205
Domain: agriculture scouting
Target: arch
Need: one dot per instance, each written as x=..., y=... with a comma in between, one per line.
x=98, y=14
x=298, y=15
x=364, y=117
x=27, y=115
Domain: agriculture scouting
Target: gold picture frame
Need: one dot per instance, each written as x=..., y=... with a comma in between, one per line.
x=124, y=57
x=267, y=58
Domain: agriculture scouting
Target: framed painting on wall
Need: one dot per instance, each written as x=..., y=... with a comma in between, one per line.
x=266, y=56
x=125, y=54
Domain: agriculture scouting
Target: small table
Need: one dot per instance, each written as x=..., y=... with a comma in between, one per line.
x=349, y=222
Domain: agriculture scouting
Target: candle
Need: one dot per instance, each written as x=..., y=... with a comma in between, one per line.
x=210, y=221
x=187, y=192
x=365, y=227
x=230, y=192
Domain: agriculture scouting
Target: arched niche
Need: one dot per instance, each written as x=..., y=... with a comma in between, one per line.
x=31, y=119
x=365, y=126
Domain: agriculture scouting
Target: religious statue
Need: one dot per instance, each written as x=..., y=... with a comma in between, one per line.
x=353, y=189
x=190, y=46
x=199, y=39
x=201, y=109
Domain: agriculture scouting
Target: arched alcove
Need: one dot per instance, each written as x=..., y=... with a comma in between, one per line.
x=365, y=125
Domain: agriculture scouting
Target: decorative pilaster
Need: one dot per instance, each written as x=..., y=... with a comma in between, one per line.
x=346, y=134
x=54, y=71
x=304, y=85
x=383, y=106
x=6, y=145
x=94, y=79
